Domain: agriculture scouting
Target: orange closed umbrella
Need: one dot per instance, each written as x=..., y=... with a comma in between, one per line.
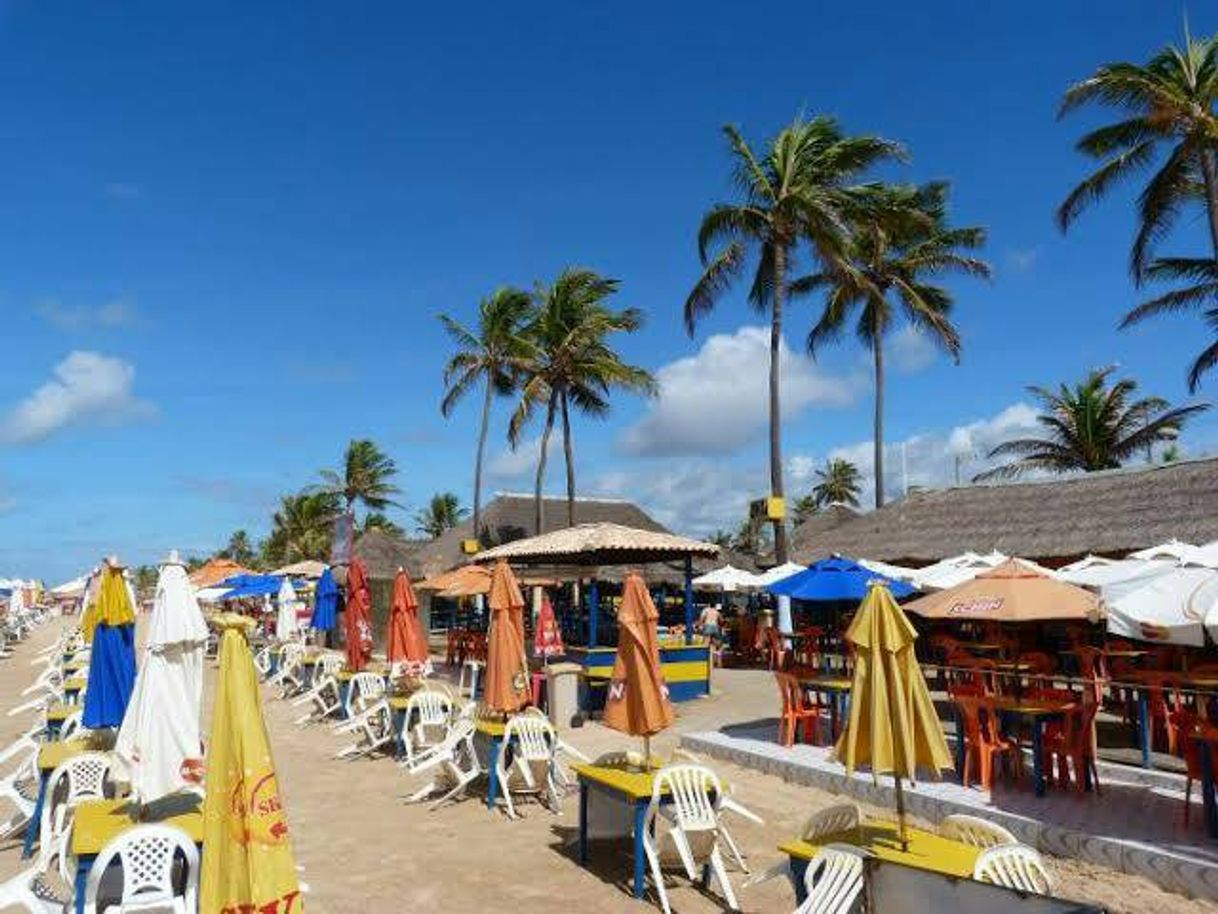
x=638, y=701
x=358, y=616
x=406, y=643
x=507, y=671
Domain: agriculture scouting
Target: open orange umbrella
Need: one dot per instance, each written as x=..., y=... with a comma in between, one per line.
x=358, y=619
x=1015, y=591
x=507, y=671
x=406, y=643
x=638, y=701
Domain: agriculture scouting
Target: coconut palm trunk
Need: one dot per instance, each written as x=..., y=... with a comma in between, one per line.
x=1209, y=174
x=539, y=512
x=568, y=449
x=776, y=488
x=482, y=432
x=877, y=349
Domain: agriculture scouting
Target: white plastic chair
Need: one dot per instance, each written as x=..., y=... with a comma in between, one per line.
x=472, y=667
x=457, y=761
x=375, y=729
x=363, y=691
x=426, y=721
x=29, y=888
x=82, y=777
x=831, y=820
x=326, y=698
x=532, y=742
x=148, y=854
x=1014, y=866
x=833, y=881
x=975, y=832
x=288, y=677
x=694, y=826
x=20, y=788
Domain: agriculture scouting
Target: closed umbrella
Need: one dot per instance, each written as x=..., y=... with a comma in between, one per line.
x=325, y=604
x=358, y=612
x=406, y=642
x=112, y=660
x=160, y=731
x=507, y=670
x=637, y=702
x=547, y=638
x=892, y=726
x=285, y=620
x=248, y=864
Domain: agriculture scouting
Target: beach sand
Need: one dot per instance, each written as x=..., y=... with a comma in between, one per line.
x=365, y=850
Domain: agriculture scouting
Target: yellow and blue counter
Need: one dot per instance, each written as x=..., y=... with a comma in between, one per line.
x=686, y=667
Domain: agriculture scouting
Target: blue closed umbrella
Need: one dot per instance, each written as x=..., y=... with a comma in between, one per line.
x=325, y=604
x=835, y=579
x=112, y=658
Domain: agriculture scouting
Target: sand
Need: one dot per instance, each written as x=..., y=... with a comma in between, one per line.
x=364, y=850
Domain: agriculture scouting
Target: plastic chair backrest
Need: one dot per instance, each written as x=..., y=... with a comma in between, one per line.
x=71, y=724
x=534, y=736
x=690, y=788
x=86, y=776
x=1014, y=866
x=364, y=689
x=331, y=664
x=433, y=707
x=833, y=880
x=832, y=820
x=975, y=832
x=147, y=854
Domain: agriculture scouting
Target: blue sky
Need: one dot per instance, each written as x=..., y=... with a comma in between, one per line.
x=226, y=229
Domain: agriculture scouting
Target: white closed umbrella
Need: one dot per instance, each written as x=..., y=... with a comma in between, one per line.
x=1172, y=606
x=285, y=621
x=160, y=730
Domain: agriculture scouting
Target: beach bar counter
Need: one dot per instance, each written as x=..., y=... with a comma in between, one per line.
x=686, y=668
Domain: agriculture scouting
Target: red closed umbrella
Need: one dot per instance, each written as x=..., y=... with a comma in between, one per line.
x=406, y=643
x=358, y=616
x=547, y=639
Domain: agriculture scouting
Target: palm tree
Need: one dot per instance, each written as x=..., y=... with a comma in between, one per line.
x=493, y=354
x=572, y=365
x=239, y=548
x=1202, y=273
x=364, y=478
x=442, y=513
x=798, y=190
x=838, y=484
x=1092, y=426
x=375, y=520
x=805, y=508
x=1166, y=105
x=301, y=528
x=900, y=244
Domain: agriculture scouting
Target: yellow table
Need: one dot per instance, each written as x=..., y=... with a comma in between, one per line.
x=838, y=689
x=95, y=824
x=926, y=850
x=56, y=715
x=74, y=686
x=50, y=756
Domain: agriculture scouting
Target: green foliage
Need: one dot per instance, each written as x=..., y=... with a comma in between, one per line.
x=239, y=549
x=442, y=513
x=1091, y=426
x=804, y=508
x=1201, y=276
x=837, y=484
x=301, y=528
x=364, y=479
x=377, y=521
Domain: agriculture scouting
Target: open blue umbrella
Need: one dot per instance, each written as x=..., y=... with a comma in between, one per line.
x=325, y=604
x=252, y=585
x=835, y=579
x=112, y=658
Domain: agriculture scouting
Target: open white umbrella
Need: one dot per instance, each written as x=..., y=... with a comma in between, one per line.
x=1173, y=606
x=728, y=578
x=160, y=730
x=957, y=569
x=777, y=573
x=285, y=621
x=1098, y=576
x=1173, y=549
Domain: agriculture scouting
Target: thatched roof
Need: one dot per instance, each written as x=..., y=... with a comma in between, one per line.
x=309, y=568
x=834, y=516
x=509, y=517
x=384, y=554
x=593, y=545
x=216, y=570
x=1108, y=513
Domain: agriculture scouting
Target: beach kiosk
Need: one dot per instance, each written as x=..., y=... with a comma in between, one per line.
x=685, y=661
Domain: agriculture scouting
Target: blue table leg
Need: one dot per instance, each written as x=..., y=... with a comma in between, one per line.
x=492, y=781
x=640, y=856
x=583, y=823
x=399, y=725
x=83, y=865
x=35, y=823
x=959, y=741
x=1207, y=787
x=1038, y=769
x=1144, y=726
x=799, y=869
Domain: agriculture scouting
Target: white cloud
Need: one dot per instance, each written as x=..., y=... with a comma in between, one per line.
x=86, y=387
x=117, y=313
x=1022, y=260
x=520, y=465
x=695, y=497
x=717, y=400
x=910, y=351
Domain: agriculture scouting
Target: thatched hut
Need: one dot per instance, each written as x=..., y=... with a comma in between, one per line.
x=1051, y=521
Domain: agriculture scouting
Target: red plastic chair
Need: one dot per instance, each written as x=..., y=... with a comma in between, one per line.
x=1072, y=748
x=983, y=744
x=799, y=716
x=776, y=651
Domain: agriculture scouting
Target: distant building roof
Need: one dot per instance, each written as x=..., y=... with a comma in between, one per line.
x=385, y=554
x=1112, y=512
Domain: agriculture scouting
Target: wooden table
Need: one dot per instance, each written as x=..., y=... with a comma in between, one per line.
x=95, y=824
x=50, y=757
x=630, y=786
x=837, y=688
x=926, y=851
x=1036, y=712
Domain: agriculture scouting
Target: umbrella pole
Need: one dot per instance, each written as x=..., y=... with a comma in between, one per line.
x=901, y=816
x=646, y=753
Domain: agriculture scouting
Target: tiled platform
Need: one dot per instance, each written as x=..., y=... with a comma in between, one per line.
x=1136, y=826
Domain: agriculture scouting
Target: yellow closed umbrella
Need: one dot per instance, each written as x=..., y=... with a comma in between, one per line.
x=248, y=863
x=893, y=726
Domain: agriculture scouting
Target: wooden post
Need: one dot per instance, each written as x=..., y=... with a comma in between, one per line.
x=594, y=611
x=689, y=599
